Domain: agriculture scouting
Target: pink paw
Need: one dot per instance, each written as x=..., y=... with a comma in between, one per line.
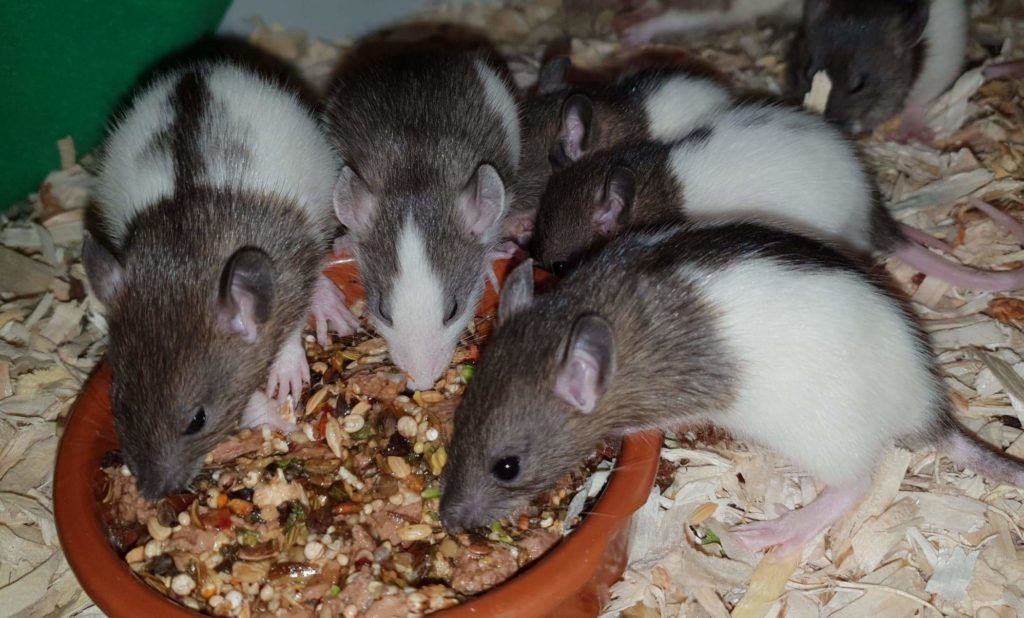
x=518, y=228
x=289, y=372
x=262, y=410
x=331, y=312
x=914, y=128
x=504, y=251
x=759, y=535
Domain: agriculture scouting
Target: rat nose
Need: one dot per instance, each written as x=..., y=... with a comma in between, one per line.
x=462, y=515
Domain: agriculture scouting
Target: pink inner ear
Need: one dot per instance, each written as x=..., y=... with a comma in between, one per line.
x=576, y=384
x=606, y=216
x=482, y=201
x=239, y=317
x=573, y=132
x=354, y=203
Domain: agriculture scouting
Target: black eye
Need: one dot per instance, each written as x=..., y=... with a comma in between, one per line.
x=858, y=83
x=452, y=311
x=506, y=469
x=197, y=422
x=384, y=312
x=560, y=269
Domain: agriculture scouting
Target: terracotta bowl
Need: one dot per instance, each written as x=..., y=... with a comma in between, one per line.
x=572, y=579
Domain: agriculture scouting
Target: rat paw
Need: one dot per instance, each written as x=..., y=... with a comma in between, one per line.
x=518, y=228
x=289, y=372
x=331, y=312
x=262, y=410
x=914, y=128
x=504, y=251
x=760, y=535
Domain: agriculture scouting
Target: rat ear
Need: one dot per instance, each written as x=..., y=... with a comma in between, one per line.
x=482, y=201
x=103, y=269
x=552, y=76
x=574, y=132
x=354, y=203
x=517, y=291
x=588, y=363
x=246, y=293
x=915, y=19
x=613, y=208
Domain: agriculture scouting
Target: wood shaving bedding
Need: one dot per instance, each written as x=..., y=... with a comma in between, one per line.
x=930, y=540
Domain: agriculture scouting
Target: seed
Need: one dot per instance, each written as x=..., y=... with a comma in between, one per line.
x=184, y=519
x=153, y=549
x=407, y=427
x=125, y=471
x=314, y=401
x=280, y=445
x=353, y=423
x=267, y=592
x=437, y=461
x=350, y=611
x=396, y=499
x=157, y=530
x=398, y=466
x=234, y=598
x=480, y=549
x=449, y=548
x=361, y=408
x=415, y=532
x=137, y=554
x=182, y=584
x=313, y=550
x=418, y=448
x=332, y=431
x=546, y=522
x=216, y=600
x=210, y=587
x=343, y=559
x=307, y=430
x=431, y=434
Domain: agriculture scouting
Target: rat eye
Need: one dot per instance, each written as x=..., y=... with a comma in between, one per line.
x=451, y=311
x=384, y=313
x=561, y=269
x=197, y=423
x=506, y=469
x=858, y=83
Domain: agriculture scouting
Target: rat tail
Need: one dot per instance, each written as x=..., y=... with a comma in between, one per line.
x=970, y=451
x=911, y=248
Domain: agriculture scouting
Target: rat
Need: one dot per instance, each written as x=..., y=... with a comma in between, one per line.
x=777, y=338
x=881, y=57
x=212, y=222
x=770, y=162
x=429, y=135
x=653, y=19
x=649, y=96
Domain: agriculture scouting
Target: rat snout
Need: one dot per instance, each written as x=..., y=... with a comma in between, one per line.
x=463, y=513
x=156, y=481
x=423, y=364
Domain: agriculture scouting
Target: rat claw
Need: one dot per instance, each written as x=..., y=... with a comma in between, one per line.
x=329, y=310
x=289, y=371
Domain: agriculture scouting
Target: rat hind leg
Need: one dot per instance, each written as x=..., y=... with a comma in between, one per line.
x=790, y=531
x=913, y=126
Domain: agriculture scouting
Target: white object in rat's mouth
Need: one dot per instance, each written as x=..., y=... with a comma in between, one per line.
x=816, y=98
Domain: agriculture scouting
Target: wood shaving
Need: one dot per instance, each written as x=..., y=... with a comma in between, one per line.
x=930, y=540
x=816, y=98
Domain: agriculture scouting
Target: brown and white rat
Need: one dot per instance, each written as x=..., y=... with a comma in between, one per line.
x=768, y=162
x=651, y=96
x=882, y=56
x=772, y=336
x=213, y=220
x=430, y=139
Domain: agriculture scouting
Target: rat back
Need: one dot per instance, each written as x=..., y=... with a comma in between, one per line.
x=777, y=163
x=430, y=139
x=214, y=208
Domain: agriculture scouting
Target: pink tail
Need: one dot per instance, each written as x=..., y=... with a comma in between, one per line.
x=970, y=451
x=918, y=256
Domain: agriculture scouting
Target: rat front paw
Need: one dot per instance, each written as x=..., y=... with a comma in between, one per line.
x=262, y=410
x=330, y=312
x=289, y=372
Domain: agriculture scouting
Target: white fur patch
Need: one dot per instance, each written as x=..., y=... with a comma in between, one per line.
x=418, y=341
x=739, y=13
x=255, y=137
x=945, y=36
x=829, y=370
x=132, y=175
x=680, y=104
x=503, y=103
x=793, y=169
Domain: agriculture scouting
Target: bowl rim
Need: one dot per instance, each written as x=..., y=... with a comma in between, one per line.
x=108, y=581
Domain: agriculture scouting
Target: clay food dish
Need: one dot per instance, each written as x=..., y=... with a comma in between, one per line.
x=572, y=579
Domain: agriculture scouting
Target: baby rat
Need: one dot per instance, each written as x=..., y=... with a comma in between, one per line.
x=214, y=201
x=652, y=97
x=429, y=135
x=771, y=163
x=881, y=57
x=772, y=336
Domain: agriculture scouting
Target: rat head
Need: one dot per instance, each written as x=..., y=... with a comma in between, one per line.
x=422, y=259
x=531, y=414
x=871, y=52
x=582, y=207
x=188, y=348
